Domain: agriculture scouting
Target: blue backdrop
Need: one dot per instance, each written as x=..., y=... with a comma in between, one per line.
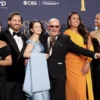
x=45, y=9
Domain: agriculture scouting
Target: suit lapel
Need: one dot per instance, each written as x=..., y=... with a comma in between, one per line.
x=57, y=43
x=12, y=41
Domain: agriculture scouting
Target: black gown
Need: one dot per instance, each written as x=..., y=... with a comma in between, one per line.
x=4, y=51
x=96, y=70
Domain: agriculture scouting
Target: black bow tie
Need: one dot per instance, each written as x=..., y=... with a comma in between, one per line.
x=18, y=34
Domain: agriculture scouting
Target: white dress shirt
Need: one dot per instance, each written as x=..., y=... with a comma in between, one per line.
x=18, y=40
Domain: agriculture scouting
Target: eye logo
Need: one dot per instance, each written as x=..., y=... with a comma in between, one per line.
x=2, y=3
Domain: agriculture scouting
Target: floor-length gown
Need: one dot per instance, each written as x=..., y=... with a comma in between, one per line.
x=76, y=83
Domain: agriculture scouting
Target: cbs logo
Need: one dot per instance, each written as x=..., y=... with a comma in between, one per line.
x=29, y=2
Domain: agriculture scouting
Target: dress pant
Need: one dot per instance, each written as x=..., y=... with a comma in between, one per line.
x=57, y=91
x=2, y=87
x=14, y=91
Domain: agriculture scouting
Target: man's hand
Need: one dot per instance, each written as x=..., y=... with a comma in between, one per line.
x=85, y=69
x=97, y=55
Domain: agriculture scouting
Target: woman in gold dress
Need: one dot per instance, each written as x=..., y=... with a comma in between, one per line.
x=78, y=83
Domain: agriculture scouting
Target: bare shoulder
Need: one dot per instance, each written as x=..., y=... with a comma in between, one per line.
x=92, y=34
x=2, y=43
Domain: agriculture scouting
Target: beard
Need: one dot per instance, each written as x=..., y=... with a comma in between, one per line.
x=15, y=27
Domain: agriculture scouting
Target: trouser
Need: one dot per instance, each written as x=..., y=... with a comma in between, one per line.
x=57, y=91
x=14, y=91
x=2, y=87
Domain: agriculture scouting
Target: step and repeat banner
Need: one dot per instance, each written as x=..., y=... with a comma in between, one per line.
x=46, y=9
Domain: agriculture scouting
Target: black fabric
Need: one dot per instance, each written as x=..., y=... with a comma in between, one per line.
x=57, y=91
x=2, y=87
x=18, y=34
x=15, y=91
x=4, y=51
x=96, y=71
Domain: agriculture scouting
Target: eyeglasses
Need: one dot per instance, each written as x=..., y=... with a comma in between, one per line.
x=52, y=26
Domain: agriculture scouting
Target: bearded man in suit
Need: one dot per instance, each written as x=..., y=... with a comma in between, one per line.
x=15, y=72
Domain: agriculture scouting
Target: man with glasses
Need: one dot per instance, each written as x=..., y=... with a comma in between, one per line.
x=57, y=45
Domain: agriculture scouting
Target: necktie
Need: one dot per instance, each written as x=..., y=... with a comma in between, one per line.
x=52, y=42
x=51, y=45
x=18, y=34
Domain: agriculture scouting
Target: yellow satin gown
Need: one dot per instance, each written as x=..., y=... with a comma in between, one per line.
x=76, y=83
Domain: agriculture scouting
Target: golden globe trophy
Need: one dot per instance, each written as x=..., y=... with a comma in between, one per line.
x=83, y=5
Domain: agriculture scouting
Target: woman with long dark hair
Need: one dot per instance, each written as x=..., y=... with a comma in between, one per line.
x=38, y=82
x=78, y=82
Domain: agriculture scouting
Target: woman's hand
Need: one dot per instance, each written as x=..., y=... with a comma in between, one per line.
x=26, y=61
x=85, y=69
x=47, y=56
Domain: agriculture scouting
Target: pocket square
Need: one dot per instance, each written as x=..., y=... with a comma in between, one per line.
x=60, y=63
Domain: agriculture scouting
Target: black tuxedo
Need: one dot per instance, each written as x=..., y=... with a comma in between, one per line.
x=56, y=62
x=15, y=72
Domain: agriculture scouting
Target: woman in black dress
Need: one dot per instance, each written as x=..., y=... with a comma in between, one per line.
x=5, y=60
x=0, y=27
x=95, y=35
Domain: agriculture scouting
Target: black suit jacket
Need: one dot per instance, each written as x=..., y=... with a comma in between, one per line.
x=63, y=45
x=15, y=72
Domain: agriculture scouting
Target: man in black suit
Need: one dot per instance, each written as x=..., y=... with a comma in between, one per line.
x=15, y=72
x=56, y=61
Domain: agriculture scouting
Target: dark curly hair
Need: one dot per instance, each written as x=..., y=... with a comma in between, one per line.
x=32, y=24
x=81, y=28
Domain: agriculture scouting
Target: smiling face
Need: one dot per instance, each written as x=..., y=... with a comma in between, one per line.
x=97, y=20
x=54, y=27
x=15, y=23
x=74, y=21
x=36, y=29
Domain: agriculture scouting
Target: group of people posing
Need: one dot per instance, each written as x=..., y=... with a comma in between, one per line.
x=50, y=66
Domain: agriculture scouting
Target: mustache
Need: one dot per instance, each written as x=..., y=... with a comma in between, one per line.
x=17, y=25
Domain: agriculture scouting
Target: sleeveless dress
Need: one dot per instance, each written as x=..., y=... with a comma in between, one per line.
x=4, y=51
x=76, y=83
x=38, y=48
x=96, y=70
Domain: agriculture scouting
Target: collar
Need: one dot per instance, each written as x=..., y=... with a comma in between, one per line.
x=11, y=31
